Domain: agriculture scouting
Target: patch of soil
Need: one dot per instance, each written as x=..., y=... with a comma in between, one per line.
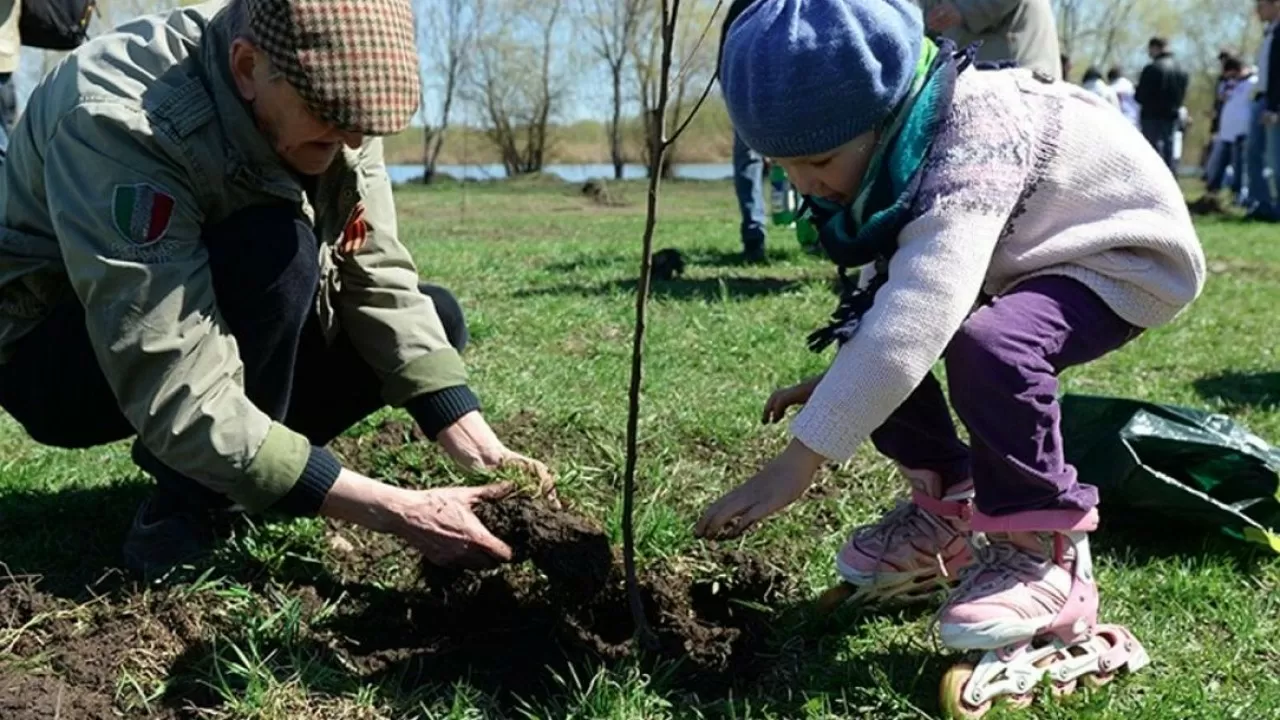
x=503, y=630
x=71, y=657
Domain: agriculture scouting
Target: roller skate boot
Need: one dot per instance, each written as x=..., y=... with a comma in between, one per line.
x=916, y=550
x=1028, y=609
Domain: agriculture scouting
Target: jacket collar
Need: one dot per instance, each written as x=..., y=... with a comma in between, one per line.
x=248, y=150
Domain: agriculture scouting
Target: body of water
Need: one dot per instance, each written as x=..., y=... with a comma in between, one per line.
x=569, y=173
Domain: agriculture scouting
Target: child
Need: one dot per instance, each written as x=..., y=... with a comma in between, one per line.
x=1018, y=226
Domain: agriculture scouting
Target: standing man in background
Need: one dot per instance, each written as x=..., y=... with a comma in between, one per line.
x=748, y=184
x=10, y=49
x=1162, y=91
x=1018, y=30
x=1263, y=146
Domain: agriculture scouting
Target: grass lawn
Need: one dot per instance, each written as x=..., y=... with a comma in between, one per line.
x=305, y=620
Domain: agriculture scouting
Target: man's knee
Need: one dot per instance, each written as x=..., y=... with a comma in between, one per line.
x=450, y=313
x=265, y=264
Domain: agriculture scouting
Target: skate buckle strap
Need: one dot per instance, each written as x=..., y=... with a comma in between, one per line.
x=962, y=509
x=1037, y=521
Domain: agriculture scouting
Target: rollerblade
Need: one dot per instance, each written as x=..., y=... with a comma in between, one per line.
x=1028, y=609
x=914, y=551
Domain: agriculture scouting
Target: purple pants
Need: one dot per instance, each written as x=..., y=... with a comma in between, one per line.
x=1002, y=373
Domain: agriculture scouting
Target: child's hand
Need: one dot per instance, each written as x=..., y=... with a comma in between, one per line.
x=776, y=486
x=775, y=408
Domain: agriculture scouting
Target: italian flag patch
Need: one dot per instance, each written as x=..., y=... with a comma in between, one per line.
x=141, y=212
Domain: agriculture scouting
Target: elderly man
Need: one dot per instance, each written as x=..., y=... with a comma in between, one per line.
x=198, y=249
x=1022, y=31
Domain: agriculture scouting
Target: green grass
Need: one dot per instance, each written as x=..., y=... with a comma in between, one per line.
x=547, y=279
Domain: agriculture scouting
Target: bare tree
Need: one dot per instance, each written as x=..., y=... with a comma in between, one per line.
x=446, y=31
x=517, y=85
x=693, y=66
x=613, y=25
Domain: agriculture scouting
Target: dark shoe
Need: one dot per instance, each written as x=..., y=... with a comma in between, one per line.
x=753, y=256
x=160, y=541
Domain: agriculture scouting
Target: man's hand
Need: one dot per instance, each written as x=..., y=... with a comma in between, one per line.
x=473, y=445
x=439, y=522
x=442, y=524
x=775, y=408
x=1270, y=118
x=776, y=486
x=943, y=17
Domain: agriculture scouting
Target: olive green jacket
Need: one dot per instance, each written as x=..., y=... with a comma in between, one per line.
x=126, y=151
x=1022, y=30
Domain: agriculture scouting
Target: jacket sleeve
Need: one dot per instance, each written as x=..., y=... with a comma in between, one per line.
x=1272, y=89
x=394, y=326
x=130, y=234
x=1146, y=85
x=981, y=15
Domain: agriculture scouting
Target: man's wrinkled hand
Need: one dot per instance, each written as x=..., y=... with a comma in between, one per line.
x=443, y=526
x=475, y=447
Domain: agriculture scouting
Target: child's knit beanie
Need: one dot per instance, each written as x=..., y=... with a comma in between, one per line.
x=803, y=77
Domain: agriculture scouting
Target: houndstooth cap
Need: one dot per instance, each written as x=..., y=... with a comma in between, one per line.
x=353, y=61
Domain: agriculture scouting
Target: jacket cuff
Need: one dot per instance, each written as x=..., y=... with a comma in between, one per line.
x=435, y=411
x=307, y=495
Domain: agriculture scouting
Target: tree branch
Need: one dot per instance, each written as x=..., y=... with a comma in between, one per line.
x=706, y=91
x=643, y=633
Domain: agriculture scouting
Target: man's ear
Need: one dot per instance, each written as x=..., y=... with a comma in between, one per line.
x=243, y=60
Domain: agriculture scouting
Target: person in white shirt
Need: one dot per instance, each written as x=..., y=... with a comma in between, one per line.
x=1179, y=131
x=1093, y=83
x=1233, y=129
x=1125, y=91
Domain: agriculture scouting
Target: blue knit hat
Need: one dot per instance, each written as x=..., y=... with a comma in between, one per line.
x=802, y=77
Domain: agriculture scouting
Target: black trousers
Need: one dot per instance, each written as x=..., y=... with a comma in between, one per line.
x=265, y=277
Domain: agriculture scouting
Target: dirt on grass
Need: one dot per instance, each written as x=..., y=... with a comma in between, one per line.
x=503, y=630
x=59, y=659
x=401, y=624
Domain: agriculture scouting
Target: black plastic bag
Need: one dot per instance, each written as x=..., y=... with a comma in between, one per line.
x=1188, y=467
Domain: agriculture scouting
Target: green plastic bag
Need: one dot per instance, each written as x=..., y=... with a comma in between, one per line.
x=1183, y=467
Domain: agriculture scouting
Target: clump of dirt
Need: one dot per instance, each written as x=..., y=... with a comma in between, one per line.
x=572, y=551
x=507, y=627
x=507, y=631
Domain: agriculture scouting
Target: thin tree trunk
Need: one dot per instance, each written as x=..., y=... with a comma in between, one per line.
x=615, y=126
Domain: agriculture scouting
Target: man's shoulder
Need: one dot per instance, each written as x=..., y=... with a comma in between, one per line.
x=138, y=64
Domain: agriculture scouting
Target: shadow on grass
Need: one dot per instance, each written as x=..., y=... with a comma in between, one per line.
x=70, y=539
x=1242, y=390
x=692, y=258
x=1142, y=541
x=703, y=289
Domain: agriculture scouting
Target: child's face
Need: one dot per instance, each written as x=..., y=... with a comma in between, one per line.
x=834, y=175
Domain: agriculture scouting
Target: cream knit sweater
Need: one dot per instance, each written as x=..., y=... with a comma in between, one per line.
x=1028, y=178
